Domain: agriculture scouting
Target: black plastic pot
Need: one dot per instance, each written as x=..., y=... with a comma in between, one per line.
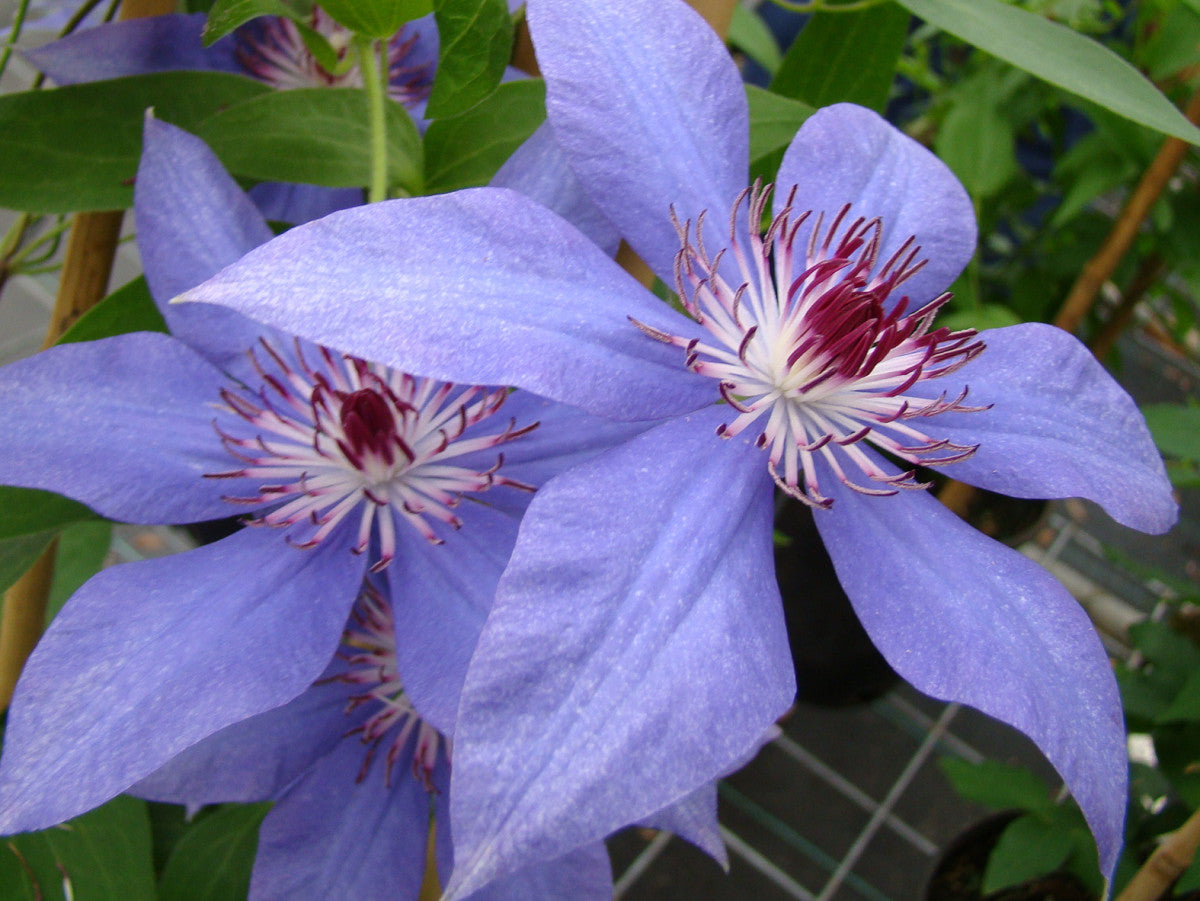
x=836, y=663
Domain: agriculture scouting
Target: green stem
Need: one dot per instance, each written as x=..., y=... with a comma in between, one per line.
x=368, y=51
x=22, y=9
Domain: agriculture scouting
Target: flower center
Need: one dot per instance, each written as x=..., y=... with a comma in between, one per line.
x=810, y=347
x=328, y=436
x=369, y=648
x=272, y=49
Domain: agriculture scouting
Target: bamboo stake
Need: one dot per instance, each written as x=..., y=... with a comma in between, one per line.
x=87, y=265
x=1166, y=864
x=1101, y=267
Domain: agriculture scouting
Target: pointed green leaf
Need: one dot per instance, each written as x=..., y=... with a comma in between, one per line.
x=845, y=57
x=226, y=15
x=1027, y=848
x=476, y=43
x=213, y=859
x=1185, y=706
x=77, y=147
x=1176, y=429
x=979, y=146
x=998, y=785
x=25, y=511
x=20, y=553
x=750, y=34
x=82, y=549
x=318, y=136
x=128, y=309
x=1059, y=55
x=774, y=121
x=376, y=18
x=466, y=150
x=103, y=855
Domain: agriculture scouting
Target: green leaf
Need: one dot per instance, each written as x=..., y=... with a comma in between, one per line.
x=1028, y=847
x=77, y=147
x=318, y=136
x=1058, y=55
x=475, y=45
x=1190, y=880
x=82, y=548
x=376, y=18
x=213, y=859
x=128, y=309
x=103, y=855
x=844, y=56
x=978, y=145
x=20, y=553
x=774, y=121
x=750, y=34
x=466, y=150
x=984, y=316
x=227, y=15
x=25, y=511
x=1173, y=656
x=1185, y=706
x=1142, y=697
x=1176, y=429
x=998, y=785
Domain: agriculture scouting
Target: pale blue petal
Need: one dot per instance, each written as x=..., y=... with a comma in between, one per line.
x=848, y=154
x=635, y=652
x=1060, y=427
x=124, y=425
x=192, y=221
x=257, y=758
x=149, y=658
x=584, y=874
x=440, y=596
x=481, y=287
x=964, y=618
x=332, y=837
x=296, y=204
x=650, y=111
x=135, y=47
x=694, y=818
x=539, y=170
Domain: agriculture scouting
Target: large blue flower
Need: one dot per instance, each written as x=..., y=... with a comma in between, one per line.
x=345, y=465
x=355, y=773
x=636, y=648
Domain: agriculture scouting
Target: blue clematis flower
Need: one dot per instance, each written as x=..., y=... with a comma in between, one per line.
x=636, y=648
x=345, y=465
x=354, y=772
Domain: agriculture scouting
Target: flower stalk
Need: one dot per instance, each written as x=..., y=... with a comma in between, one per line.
x=376, y=88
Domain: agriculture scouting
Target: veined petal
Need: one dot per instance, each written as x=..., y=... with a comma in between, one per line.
x=122, y=424
x=565, y=437
x=134, y=47
x=149, y=658
x=1060, y=427
x=481, y=287
x=849, y=154
x=330, y=837
x=694, y=818
x=441, y=595
x=584, y=874
x=635, y=651
x=650, y=111
x=257, y=758
x=966, y=619
x=288, y=202
x=192, y=221
x=539, y=170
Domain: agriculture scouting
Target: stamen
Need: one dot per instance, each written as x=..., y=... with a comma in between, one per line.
x=816, y=336
x=342, y=437
x=369, y=649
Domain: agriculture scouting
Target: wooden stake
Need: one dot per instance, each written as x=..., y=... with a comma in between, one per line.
x=1100, y=268
x=1166, y=864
